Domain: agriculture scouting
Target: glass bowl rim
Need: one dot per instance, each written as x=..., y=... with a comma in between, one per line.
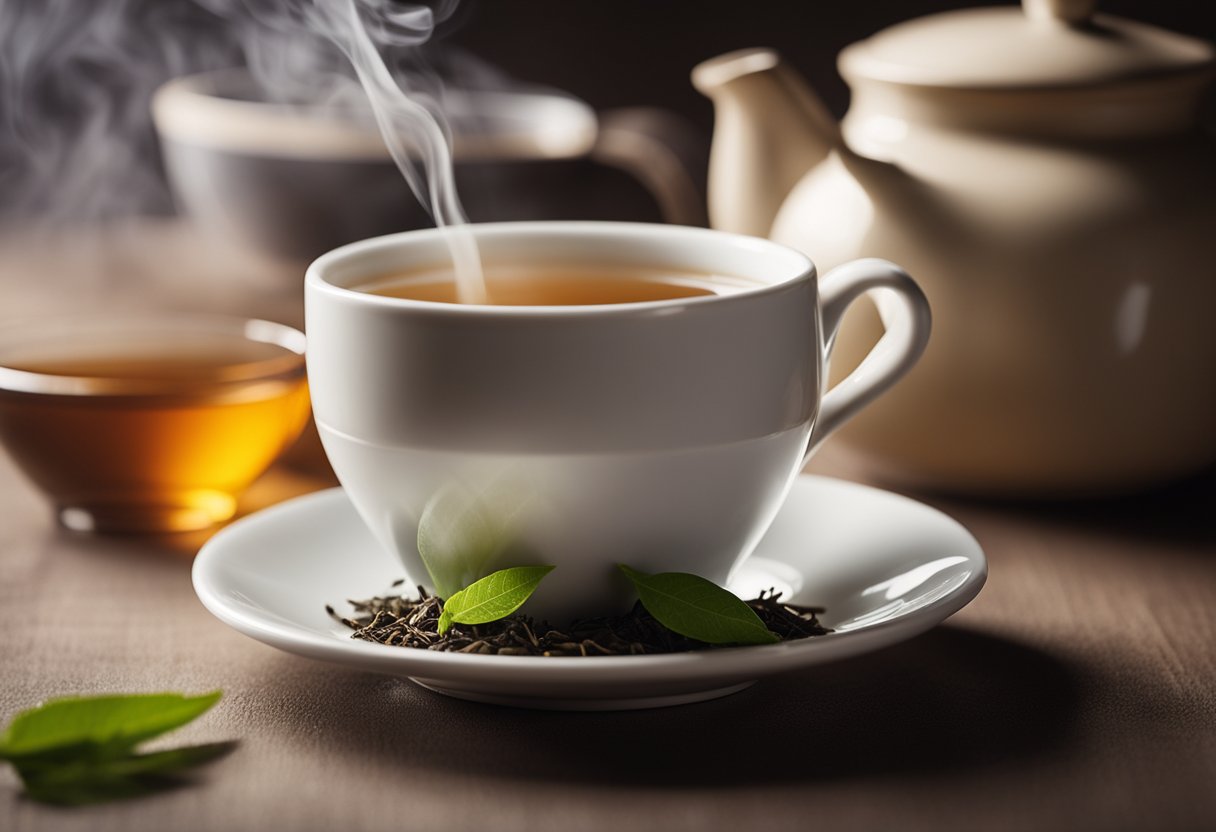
x=14, y=379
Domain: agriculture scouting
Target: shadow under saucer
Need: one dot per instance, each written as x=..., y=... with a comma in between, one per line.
x=950, y=699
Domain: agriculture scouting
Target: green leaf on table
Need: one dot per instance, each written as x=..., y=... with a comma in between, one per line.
x=82, y=749
x=493, y=597
x=98, y=725
x=699, y=609
x=86, y=781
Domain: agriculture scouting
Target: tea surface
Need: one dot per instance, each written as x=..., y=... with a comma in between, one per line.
x=192, y=359
x=558, y=285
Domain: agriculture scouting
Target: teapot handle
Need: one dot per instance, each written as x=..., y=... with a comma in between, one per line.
x=663, y=152
x=906, y=318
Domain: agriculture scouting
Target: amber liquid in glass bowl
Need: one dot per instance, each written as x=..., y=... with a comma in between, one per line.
x=152, y=426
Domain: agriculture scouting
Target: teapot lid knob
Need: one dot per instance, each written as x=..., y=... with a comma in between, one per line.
x=1071, y=12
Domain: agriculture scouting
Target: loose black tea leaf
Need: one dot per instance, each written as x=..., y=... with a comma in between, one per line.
x=406, y=622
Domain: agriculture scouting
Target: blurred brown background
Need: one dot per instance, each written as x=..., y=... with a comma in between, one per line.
x=632, y=52
x=612, y=54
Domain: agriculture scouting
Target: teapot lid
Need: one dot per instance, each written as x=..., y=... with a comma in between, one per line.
x=1046, y=43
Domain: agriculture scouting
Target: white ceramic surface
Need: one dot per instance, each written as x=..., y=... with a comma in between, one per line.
x=662, y=433
x=885, y=567
x=226, y=110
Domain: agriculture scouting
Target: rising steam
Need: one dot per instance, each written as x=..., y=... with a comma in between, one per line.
x=75, y=79
x=76, y=143
x=410, y=130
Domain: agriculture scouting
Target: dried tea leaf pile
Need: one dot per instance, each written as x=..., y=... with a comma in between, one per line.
x=414, y=622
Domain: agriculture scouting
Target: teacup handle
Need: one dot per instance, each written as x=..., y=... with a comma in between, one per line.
x=906, y=318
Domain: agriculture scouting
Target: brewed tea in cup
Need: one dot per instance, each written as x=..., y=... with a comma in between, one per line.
x=630, y=393
x=149, y=424
x=559, y=284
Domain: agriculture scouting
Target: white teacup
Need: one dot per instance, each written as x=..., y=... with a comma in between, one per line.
x=662, y=434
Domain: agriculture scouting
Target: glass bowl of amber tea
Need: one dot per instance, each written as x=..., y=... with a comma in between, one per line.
x=151, y=424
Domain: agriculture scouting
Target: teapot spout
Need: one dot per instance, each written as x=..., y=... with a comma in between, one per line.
x=769, y=130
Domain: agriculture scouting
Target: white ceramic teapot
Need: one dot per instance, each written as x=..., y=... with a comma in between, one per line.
x=1042, y=173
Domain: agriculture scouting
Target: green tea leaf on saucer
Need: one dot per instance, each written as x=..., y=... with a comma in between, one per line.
x=99, y=726
x=84, y=781
x=697, y=608
x=493, y=597
x=445, y=619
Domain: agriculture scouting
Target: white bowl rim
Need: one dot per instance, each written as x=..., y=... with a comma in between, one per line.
x=536, y=123
x=792, y=266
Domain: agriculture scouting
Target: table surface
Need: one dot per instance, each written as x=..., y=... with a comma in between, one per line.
x=1077, y=692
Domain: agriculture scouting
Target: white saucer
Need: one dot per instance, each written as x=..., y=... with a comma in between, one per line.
x=885, y=567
